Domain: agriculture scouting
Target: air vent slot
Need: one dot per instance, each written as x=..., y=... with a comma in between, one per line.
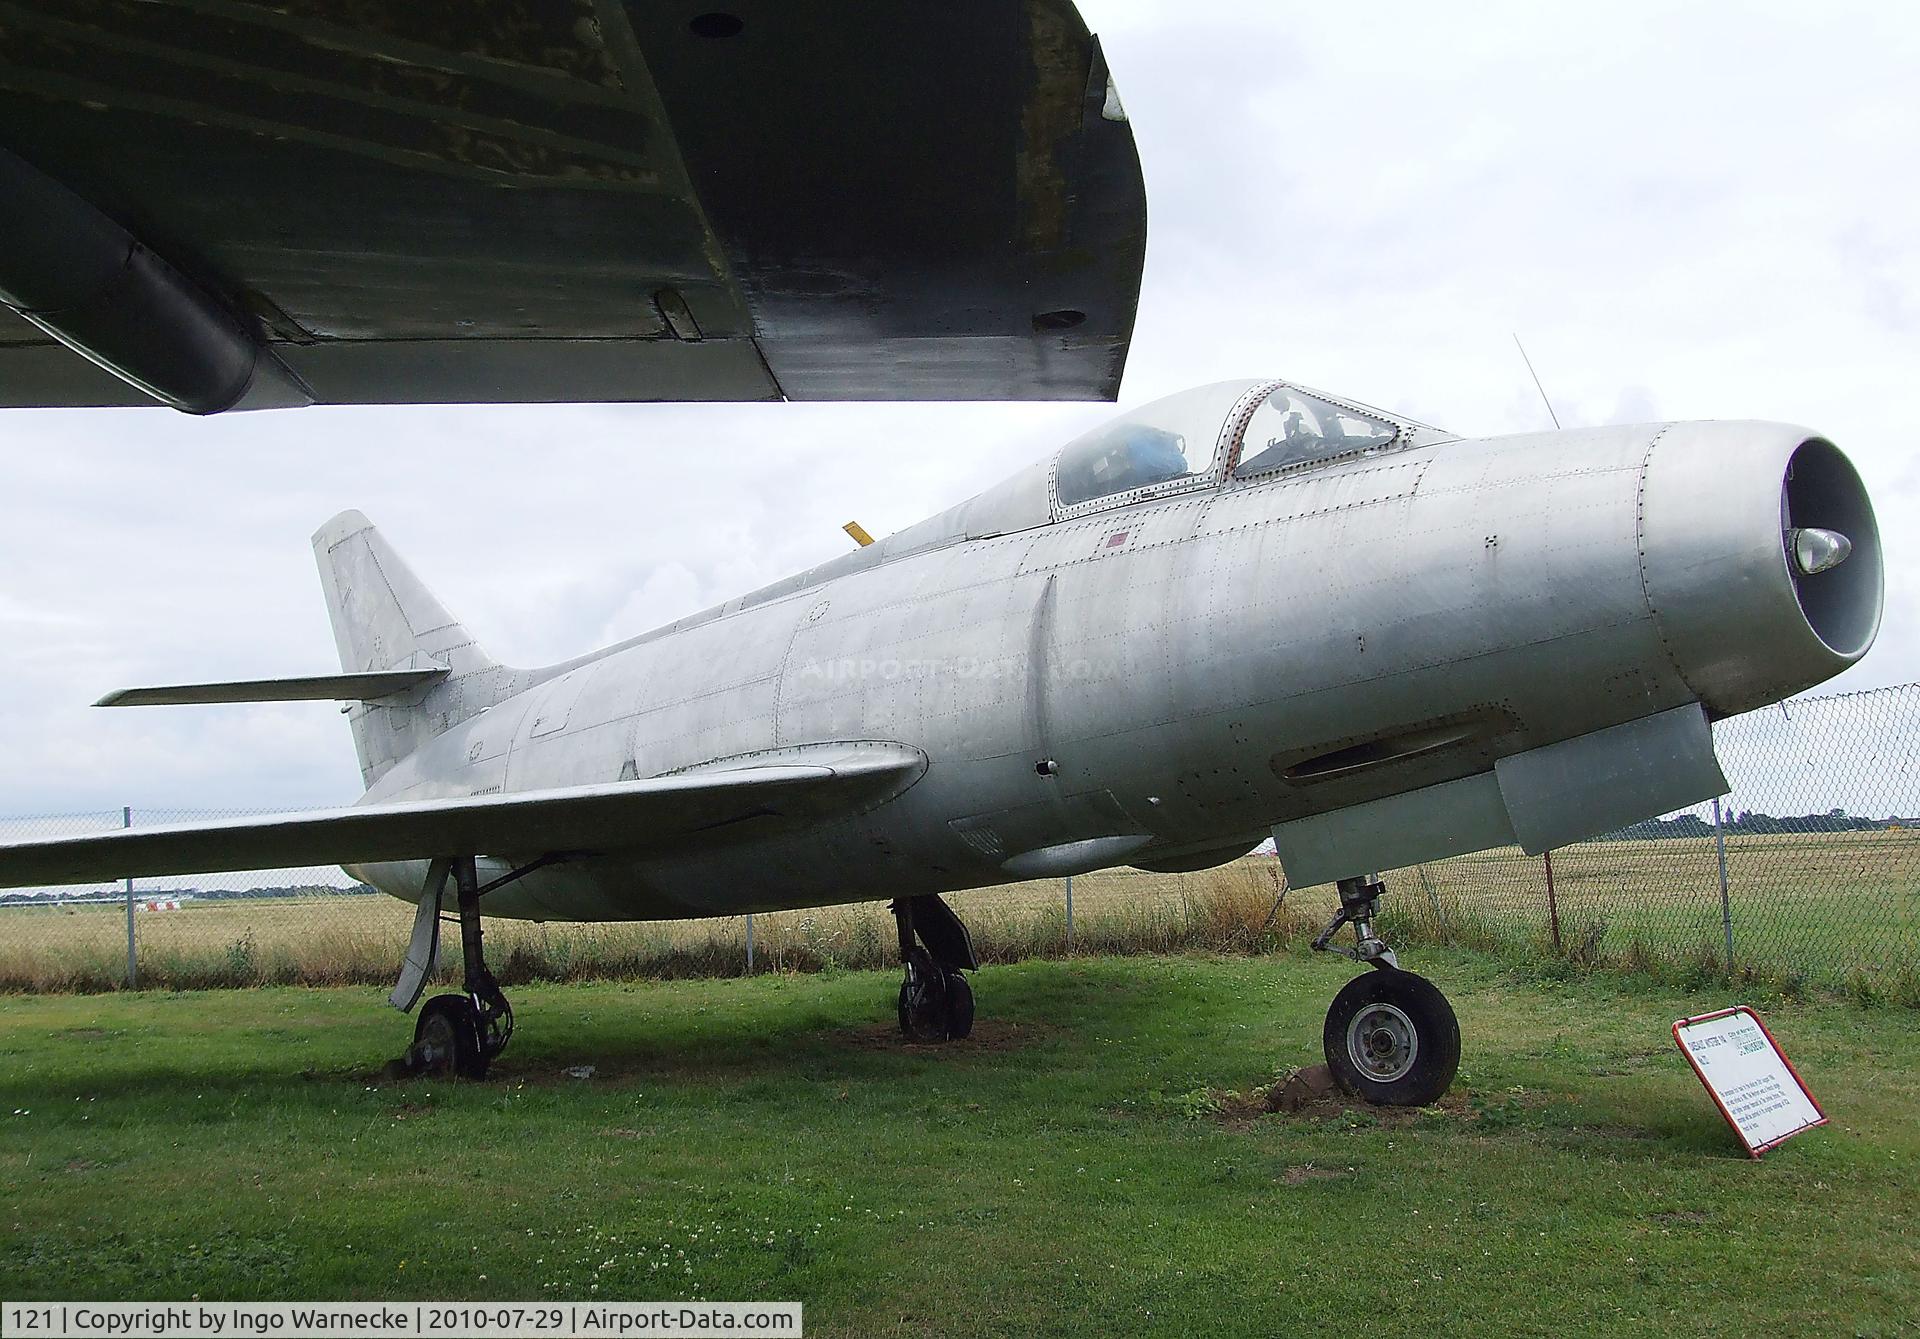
x=1340, y=759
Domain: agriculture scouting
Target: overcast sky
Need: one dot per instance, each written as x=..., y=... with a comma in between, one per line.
x=1687, y=211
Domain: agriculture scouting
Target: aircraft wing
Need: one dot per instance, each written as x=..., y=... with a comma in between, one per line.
x=256, y=203
x=620, y=816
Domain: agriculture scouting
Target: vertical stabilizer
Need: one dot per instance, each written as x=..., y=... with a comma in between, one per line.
x=384, y=618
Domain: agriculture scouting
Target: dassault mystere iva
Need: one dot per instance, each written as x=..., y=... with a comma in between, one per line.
x=1247, y=609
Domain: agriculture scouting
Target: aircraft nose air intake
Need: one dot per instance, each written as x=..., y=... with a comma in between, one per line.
x=1760, y=558
x=1834, y=548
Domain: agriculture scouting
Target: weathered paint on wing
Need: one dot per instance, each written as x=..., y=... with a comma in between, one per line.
x=338, y=202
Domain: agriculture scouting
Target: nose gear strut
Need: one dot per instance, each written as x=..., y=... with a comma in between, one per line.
x=1359, y=904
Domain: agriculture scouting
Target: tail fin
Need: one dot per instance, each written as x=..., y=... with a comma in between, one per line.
x=385, y=619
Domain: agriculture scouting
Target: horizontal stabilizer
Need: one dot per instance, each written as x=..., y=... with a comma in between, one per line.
x=364, y=687
x=796, y=785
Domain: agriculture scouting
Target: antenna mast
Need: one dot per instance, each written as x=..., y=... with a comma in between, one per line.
x=1536, y=379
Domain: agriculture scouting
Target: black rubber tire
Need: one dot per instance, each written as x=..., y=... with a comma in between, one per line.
x=923, y=1000
x=1391, y=1039
x=959, y=1007
x=446, y=1039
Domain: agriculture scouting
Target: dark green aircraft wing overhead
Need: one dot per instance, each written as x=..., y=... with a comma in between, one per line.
x=246, y=203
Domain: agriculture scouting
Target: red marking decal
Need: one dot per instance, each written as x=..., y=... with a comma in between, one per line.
x=1116, y=539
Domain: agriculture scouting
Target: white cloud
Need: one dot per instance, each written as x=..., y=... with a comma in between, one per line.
x=670, y=591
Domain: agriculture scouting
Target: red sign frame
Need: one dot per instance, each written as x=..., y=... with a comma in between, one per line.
x=1753, y=1150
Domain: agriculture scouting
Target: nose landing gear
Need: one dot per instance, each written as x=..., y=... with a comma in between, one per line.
x=1390, y=1037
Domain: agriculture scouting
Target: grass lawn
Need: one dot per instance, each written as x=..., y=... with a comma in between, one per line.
x=1064, y=1172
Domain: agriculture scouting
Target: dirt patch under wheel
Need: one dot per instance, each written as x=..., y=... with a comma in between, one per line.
x=989, y=1034
x=1310, y=1094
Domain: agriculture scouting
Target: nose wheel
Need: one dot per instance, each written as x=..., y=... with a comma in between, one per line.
x=1390, y=1037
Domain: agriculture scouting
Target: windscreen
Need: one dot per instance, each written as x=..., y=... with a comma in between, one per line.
x=1292, y=427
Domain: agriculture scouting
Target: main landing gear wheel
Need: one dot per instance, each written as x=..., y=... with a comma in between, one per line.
x=923, y=999
x=936, y=1003
x=456, y=1034
x=959, y=1007
x=1391, y=1038
x=446, y=1039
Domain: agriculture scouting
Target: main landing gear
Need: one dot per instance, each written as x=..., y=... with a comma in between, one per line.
x=1390, y=1036
x=455, y=1034
x=936, y=1003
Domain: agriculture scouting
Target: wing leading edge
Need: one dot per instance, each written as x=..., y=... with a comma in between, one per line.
x=804, y=785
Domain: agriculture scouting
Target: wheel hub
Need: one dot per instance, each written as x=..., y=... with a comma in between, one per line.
x=435, y=1046
x=1382, y=1042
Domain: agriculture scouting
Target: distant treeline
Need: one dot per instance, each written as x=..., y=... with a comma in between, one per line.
x=197, y=894
x=1749, y=823
x=237, y=894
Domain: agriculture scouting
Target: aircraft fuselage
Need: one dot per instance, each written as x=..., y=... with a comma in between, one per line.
x=1164, y=681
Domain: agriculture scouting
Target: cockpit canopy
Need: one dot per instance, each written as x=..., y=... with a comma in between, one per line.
x=1230, y=435
x=1232, y=429
x=1134, y=456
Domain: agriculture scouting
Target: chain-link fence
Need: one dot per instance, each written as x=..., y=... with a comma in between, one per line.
x=1820, y=884
x=1808, y=870
x=210, y=929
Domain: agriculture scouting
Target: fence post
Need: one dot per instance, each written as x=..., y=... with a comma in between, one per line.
x=133, y=976
x=1069, y=913
x=1439, y=916
x=1553, y=905
x=749, y=943
x=1726, y=907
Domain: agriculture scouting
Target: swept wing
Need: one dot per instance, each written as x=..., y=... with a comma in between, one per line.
x=620, y=816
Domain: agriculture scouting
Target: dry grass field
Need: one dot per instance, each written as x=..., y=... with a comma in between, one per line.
x=1835, y=910
x=1826, y=907
x=341, y=939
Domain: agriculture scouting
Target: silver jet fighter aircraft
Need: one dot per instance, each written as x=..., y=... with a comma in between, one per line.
x=1244, y=610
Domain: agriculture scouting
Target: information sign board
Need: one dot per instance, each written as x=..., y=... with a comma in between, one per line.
x=1749, y=1078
